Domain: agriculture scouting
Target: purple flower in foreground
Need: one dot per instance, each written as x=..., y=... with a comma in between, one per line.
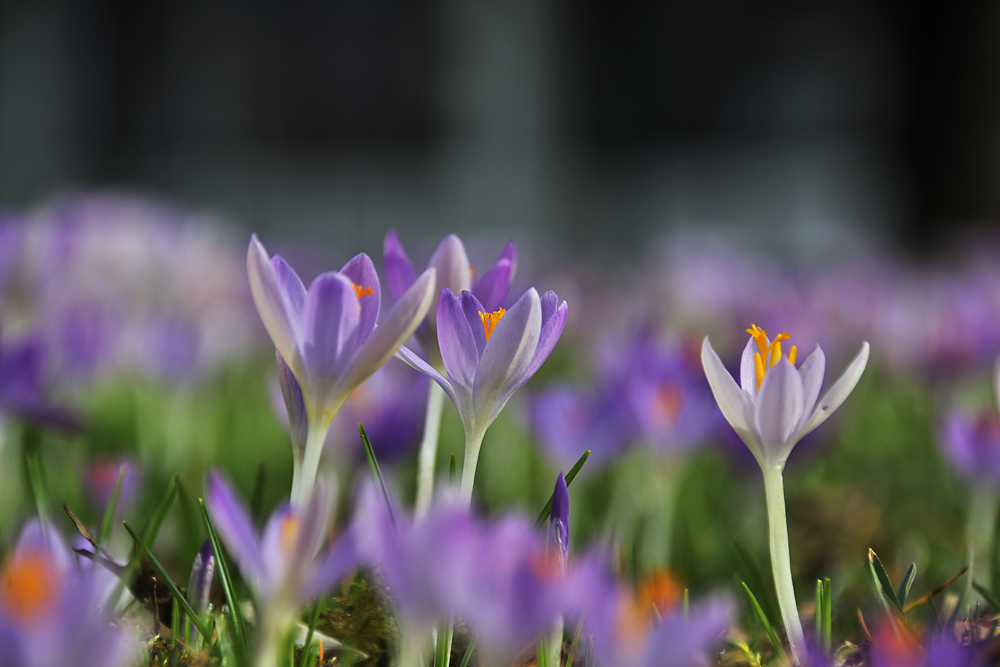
x=50, y=612
x=283, y=564
x=487, y=356
x=328, y=339
x=497, y=577
x=776, y=404
x=455, y=273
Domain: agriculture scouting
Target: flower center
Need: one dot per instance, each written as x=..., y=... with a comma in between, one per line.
x=490, y=321
x=28, y=585
x=768, y=353
x=656, y=597
x=289, y=531
x=362, y=291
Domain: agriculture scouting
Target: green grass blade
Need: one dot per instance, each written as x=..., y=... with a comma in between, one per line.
x=39, y=490
x=906, y=584
x=376, y=472
x=819, y=612
x=468, y=653
x=570, y=476
x=827, y=642
x=452, y=470
x=748, y=571
x=313, y=620
x=988, y=595
x=199, y=622
x=966, y=589
x=882, y=584
x=104, y=532
x=778, y=649
x=235, y=610
x=442, y=649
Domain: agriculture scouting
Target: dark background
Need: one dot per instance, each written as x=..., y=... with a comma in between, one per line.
x=586, y=122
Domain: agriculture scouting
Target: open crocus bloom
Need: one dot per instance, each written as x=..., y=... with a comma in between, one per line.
x=777, y=404
x=453, y=271
x=327, y=335
x=488, y=355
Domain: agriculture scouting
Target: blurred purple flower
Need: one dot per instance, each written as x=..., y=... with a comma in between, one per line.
x=200, y=583
x=568, y=421
x=21, y=385
x=328, y=339
x=100, y=479
x=50, y=611
x=455, y=273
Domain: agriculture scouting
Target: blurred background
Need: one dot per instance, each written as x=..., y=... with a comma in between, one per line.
x=588, y=123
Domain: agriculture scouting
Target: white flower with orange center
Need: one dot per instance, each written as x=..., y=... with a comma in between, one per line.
x=776, y=403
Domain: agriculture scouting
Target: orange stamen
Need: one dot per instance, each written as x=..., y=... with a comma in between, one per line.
x=27, y=585
x=289, y=531
x=758, y=364
x=362, y=291
x=490, y=321
x=771, y=352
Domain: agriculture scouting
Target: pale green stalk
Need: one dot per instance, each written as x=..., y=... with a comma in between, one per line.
x=980, y=526
x=781, y=563
x=306, y=465
x=428, y=450
x=473, y=442
x=554, y=644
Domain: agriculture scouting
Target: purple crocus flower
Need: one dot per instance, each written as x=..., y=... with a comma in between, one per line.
x=283, y=564
x=50, y=611
x=558, y=537
x=487, y=356
x=972, y=446
x=101, y=477
x=455, y=273
x=568, y=421
x=498, y=577
x=21, y=385
x=328, y=339
x=200, y=582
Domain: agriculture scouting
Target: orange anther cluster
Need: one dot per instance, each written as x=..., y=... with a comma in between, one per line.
x=769, y=351
x=27, y=585
x=362, y=291
x=490, y=321
x=289, y=532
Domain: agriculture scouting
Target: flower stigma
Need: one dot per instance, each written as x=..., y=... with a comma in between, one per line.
x=769, y=351
x=361, y=291
x=490, y=320
x=27, y=585
x=289, y=531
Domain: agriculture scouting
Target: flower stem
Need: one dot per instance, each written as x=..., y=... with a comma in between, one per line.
x=306, y=467
x=981, y=521
x=428, y=450
x=473, y=442
x=781, y=563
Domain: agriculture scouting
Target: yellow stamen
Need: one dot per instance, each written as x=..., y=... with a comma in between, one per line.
x=791, y=354
x=490, y=321
x=758, y=364
x=28, y=584
x=768, y=351
x=362, y=291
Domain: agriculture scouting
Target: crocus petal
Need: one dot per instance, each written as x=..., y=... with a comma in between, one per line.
x=272, y=304
x=840, y=390
x=361, y=272
x=996, y=382
x=553, y=322
x=233, y=523
x=811, y=371
x=472, y=309
x=452, y=265
x=727, y=393
x=491, y=288
x=398, y=325
x=399, y=271
x=276, y=544
x=292, y=289
x=778, y=409
x=456, y=341
x=748, y=370
x=506, y=357
x=331, y=568
x=200, y=582
x=559, y=519
x=415, y=362
x=291, y=391
x=330, y=328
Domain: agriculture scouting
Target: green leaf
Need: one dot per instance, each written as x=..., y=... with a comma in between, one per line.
x=109, y=512
x=904, y=586
x=235, y=610
x=317, y=610
x=883, y=586
x=988, y=595
x=199, y=622
x=827, y=642
x=452, y=470
x=570, y=476
x=442, y=653
x=468, y=653
x=376, y=472
x=778, y=649
x=39, y=489
x=747, y=570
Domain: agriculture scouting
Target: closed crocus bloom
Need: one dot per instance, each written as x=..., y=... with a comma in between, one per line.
x=453, y=270
x=776, y=403
x=327, y=337
x=487, y=356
